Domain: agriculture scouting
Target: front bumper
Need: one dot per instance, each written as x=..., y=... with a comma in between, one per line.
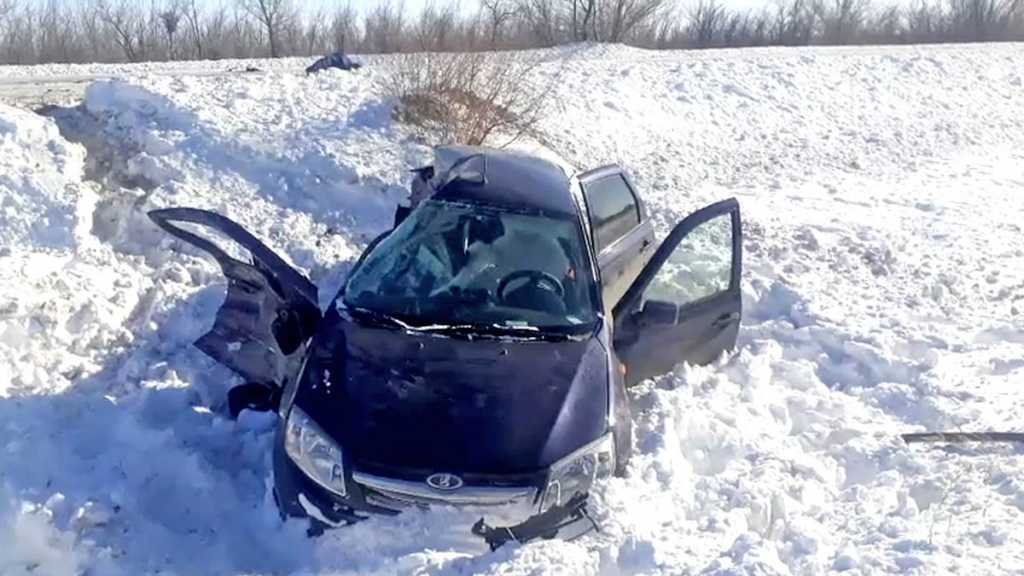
x=506, y=513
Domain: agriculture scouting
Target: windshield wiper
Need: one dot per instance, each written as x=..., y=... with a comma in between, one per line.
x=383, y=319
x=500, y=330
x=379, y=318
x=517, y=331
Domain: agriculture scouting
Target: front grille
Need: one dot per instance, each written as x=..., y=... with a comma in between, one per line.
x=395, y=493
x=509, y=479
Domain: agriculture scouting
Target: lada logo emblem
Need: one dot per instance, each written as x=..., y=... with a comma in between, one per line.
x=444, y=481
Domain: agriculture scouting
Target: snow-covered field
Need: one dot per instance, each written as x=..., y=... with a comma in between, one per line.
x=883, y=197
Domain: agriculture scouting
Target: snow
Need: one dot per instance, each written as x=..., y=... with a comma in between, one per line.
x=883, y=293
x=43, y=201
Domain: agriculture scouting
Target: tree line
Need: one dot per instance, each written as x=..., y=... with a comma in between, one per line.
x=48, y=31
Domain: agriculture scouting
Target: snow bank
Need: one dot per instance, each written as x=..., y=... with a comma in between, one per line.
x=883, y=293
x=43, y=202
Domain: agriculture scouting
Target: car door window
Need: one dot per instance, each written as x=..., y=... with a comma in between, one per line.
x=699, y=268
x=613, y=209
x=685, y=306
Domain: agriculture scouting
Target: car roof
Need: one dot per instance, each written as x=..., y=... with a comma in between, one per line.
x=503, y=178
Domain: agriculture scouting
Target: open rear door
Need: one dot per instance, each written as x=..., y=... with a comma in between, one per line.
x=685, y=306
x=270, y=311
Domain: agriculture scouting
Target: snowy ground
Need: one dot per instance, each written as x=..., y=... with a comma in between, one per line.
x=884, y=293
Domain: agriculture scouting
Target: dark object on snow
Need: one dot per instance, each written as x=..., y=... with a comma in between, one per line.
x=963, y=437
x=546, y=525
x=337, y=60
x=477, y=354
x=253, y=396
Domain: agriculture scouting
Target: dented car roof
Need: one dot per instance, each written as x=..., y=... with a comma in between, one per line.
x=503, y=178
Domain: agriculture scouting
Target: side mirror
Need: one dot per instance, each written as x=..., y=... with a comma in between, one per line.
x=401, y=213
x=653, y=313
x=291, y=328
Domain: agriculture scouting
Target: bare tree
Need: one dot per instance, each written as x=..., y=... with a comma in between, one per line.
x=434, y=28
x=889, y=24
x=94, y=38
x=384, y=27
x=760, y=28
x=794, y=23
x=470, y=33
x=982, y=20
x=224, y=34
x=55, y=34
x=841, y=20
x=344, y=27
x=497, y=14
x=314, y=34
x=274, y=16
x=34, y=31
x=126, y=25
x=240, y=38
x=18, y=33
x=540, y=20
x=584, y=20
x=194, y=20
x=6, y=7
x=706, y=19
x=623, y=16
x=170, y=19
x=924, y=22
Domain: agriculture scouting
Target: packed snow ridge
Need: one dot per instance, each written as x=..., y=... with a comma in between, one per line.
x=882, y=191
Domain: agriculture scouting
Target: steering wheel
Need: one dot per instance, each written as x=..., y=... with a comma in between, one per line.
x=537, y=277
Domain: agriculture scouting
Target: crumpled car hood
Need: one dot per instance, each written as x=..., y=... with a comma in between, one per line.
x=416, y=401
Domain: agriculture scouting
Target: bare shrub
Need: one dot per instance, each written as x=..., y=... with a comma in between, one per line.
x=467, y=98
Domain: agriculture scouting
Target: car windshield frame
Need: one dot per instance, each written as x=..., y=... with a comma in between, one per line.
x=451, y=325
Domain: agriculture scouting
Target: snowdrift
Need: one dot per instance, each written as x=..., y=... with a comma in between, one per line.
x=884, y=291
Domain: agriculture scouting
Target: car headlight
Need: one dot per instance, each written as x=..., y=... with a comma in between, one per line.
x=575, y=473
x=313, y=451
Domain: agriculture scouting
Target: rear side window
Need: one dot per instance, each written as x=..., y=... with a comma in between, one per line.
x=613, y=209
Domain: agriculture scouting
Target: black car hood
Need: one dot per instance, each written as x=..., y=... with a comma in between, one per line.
x=400, y=400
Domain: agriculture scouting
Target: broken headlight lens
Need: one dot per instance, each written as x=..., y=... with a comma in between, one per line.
x=313, y=451
x=575, y=473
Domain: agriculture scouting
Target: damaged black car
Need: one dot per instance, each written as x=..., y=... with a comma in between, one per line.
x=478, y=354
